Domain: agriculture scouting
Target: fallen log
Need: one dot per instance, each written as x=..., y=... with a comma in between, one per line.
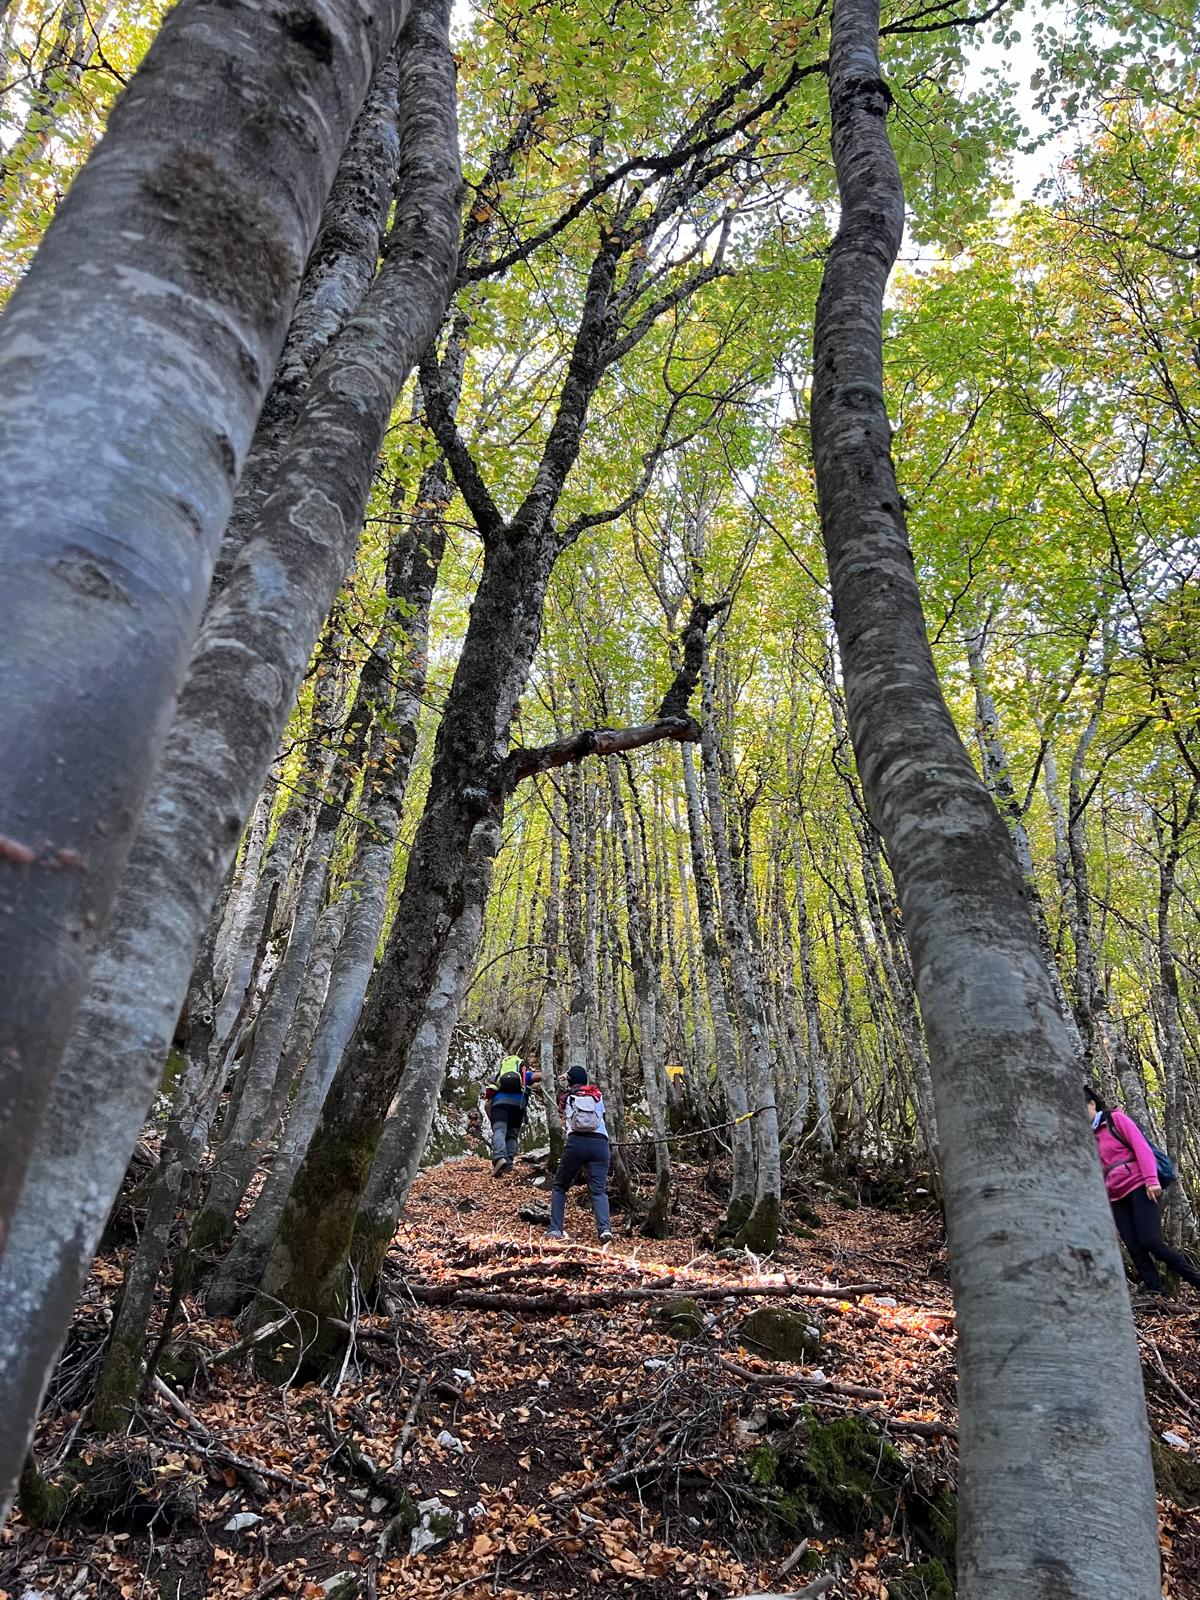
x=445, y=1294
x=853, y=1391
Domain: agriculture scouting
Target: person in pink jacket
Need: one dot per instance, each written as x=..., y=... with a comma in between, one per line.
x=1131, y=1178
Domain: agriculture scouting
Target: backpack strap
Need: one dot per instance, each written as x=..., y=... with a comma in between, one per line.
x=1107, y=1118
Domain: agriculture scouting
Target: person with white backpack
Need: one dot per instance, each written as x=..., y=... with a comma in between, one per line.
x=581, y=1107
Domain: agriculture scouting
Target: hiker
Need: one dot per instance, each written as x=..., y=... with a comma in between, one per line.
x=1134, y=1187
x=505, y=1099
x=581, y=1107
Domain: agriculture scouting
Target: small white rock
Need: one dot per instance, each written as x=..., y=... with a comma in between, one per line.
x=241, y=1521
x=654, y=1364
x=448, y=1442
x=378, y=1504
x=464, y=1374
x=345, y=1524
x=885, y=1300
x=543, y=1383
x=1174, y=1440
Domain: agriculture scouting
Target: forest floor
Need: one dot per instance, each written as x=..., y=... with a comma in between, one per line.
x=571, y=1420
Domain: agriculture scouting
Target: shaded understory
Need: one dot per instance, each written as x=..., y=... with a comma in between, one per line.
x=570, y=1421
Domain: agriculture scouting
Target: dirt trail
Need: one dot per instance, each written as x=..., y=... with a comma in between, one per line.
x=590, y=1435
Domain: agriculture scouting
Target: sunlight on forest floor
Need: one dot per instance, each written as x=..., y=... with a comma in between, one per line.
x=629, y=1440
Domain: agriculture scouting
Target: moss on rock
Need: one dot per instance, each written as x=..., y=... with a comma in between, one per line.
x=927, y=1581
x=682, y=1317
x=781, y=1335
x=1176, y=1476
x=843, y=1476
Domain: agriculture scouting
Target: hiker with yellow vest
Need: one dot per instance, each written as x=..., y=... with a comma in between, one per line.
x=506, y=1098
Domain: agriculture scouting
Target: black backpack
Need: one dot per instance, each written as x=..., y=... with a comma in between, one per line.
x=510, y=1083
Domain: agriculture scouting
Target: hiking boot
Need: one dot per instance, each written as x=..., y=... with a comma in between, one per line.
x=508, y=1166
x=555, y=1233
x=498, y=1166
x=606, y=1237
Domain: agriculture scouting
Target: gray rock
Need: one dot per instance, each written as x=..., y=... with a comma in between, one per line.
x=438, y=1523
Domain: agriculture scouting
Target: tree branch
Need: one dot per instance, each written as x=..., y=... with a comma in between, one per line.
x=461, y=462
x=672, y=722
x=656, y=166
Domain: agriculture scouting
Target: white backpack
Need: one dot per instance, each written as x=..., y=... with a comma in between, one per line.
x=586, y=1116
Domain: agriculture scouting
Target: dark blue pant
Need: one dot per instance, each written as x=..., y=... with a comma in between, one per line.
x=1139, y=1222
x=588, y=1150
x=506, y=1131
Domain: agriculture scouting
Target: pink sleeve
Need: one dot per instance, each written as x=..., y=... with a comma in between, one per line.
x=1133, y=1136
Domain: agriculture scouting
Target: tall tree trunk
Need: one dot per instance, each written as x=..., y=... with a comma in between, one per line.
x=254, y=647
x=267, y=1074
x=396, y=678
x=405, y=1134
x=760, y=1231
x=197, y=1095
x=552, y=992
x=655, y=1224
x=730, y=1077
x=1090, y=999
x=1043, y=1313
x=818, y=1058
x=284, y=861
x=338, y=274
x=241, y=896
x=178, y=250
x=279, y=1039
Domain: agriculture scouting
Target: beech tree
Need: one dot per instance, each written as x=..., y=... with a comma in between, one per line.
x=1027, y=1223
x=252, y=651
x=183, y=260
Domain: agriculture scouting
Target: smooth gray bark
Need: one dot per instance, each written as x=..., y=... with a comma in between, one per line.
x=761, y=1228
x=177, y=253
x=197, y=1094
x=730, y=1077
x=1056, y=1496
x=406, y=1131
x=253, y=1121
x=241, y=895
x=339, y=273
x=281, y=1037
x=645, y=989
x=411, y=574
x=283, y=863
x=237, y=1276
x=256, y=642
x=552, y=994
x=818, y=1059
